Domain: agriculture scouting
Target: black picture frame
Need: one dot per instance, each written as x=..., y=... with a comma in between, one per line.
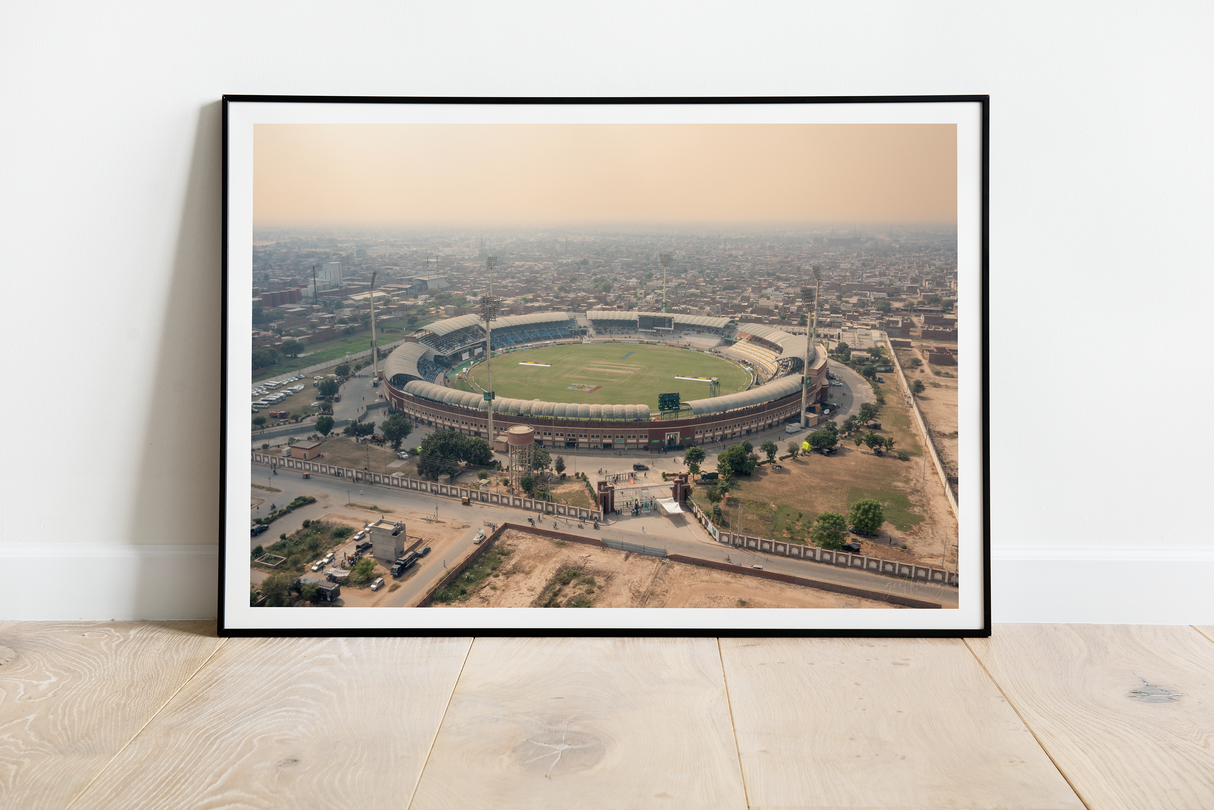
x=258, y=133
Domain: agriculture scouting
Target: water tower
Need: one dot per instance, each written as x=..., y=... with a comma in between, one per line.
x=520, y=444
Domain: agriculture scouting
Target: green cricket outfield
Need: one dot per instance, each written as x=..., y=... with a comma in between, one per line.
x=605, y=374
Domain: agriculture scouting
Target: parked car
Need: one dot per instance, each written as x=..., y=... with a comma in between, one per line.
x=860, y=532
x=639, y=467
x=480, y=537
x=853, y=547
x=377, y=584
x=425, y=551
x=319, y=564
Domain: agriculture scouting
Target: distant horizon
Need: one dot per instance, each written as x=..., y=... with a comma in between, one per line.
x=560, y=176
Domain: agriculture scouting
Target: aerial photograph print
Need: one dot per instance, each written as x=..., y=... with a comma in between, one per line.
x=697, y=372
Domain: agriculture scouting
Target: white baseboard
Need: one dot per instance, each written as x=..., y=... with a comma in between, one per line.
x=1037, y=585
x=104, y=583
x=1103, y=585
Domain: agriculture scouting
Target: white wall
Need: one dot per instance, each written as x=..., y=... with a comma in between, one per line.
x=1100, y=197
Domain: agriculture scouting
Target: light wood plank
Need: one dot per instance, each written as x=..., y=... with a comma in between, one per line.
x=72, y=694
x=880, y=723
x=1097, y=699
x=294, y=723
x=586, y=723
x=1206, y=631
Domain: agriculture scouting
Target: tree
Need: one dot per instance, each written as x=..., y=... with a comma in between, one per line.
x=309, y=591
x=328, y=388
x=693, y=457
x=829, y=530
x=917, y=387
x=866, y=515
x=915, y=362
x=343, y=370
x=291, y=348
x=396, y=429
x=874, y=442
x=869, y=372
x=868, y=412
x=259, y=421
x=735, y=460
x=858, y=439
x=822, y=439
x=794, y=449
x=748, y=447
x=276, y=589
x=528, y=484
x=444, y=443
x=541, y=459
x=476, y=450
x=717, y=516
x=883, y=306
x=432, y=466
x=363, y=570
x=770, y=449
x=359, y=429
x=559, y=465
x=714, y=495
x=324, y=425
x=889, y=443
x=264, y=358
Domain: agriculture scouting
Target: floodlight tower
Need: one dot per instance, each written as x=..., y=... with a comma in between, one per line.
x=374, y=346
x=809, y=342
x=665, y=259
x=489, y=306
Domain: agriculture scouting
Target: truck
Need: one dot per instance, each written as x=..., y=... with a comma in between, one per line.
x=402, y=564
x=792, y=427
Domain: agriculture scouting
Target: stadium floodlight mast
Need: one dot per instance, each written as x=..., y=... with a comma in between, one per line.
x=374, y=345
x=665, y=259
x=809, y=341
x=489, y=306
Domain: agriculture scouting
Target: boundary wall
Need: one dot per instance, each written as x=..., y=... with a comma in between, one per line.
x=492, y=539
x=404, y=482
x=927, y=437
x=844, y=559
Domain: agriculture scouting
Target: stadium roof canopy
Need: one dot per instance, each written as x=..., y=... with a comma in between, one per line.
x=510, y=321
x=528, y=407
x=453, y=324
x=744, y=399
x=679, y=318
x=503, y=322
x=403, y=360
x=793, y=346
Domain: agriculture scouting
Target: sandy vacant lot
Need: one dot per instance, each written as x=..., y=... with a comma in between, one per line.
x=537, y=570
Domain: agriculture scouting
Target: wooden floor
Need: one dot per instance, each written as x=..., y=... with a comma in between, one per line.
x=1038, y=717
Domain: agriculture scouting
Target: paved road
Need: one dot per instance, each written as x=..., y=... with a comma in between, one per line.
x=681, y=535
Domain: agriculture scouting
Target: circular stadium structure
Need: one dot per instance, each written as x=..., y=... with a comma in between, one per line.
x=416, y=375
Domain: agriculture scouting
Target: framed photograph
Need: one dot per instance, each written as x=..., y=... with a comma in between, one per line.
x=698, y=366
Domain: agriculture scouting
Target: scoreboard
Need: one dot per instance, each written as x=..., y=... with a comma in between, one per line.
x=668, y=402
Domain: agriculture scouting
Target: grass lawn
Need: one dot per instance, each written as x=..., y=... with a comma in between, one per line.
x=617, y=373
x=814, y=484
x=337, y=349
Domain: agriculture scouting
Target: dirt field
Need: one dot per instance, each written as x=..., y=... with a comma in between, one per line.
x=539, y=571
x=938, y=403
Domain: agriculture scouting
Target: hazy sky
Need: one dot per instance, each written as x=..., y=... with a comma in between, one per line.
x=541, y=174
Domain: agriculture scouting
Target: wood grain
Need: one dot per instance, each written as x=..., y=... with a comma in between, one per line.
x=873, y=723
x=73, y=694
x=1206, y=631
x=586, y=723
x=292, y=723
x=1127, y=712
